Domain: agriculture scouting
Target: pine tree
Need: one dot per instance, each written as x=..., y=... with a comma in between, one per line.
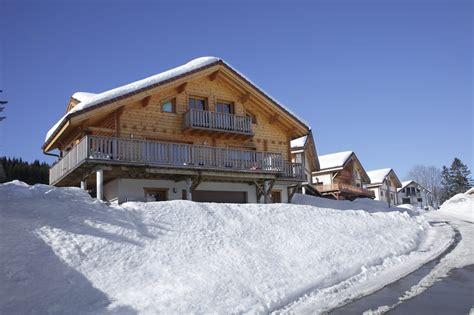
x=446, y=185
x=460, y=177
x=2, y=107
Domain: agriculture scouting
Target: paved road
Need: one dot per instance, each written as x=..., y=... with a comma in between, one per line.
x=453, y=295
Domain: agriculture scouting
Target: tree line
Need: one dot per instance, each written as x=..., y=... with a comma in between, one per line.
x=443, y=183
x=31, y=173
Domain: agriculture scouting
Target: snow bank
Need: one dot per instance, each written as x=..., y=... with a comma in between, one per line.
x=460, y=206
x=63, y=252
x=364, y=204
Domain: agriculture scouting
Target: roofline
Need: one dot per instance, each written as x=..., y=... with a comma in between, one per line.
x=152, y=86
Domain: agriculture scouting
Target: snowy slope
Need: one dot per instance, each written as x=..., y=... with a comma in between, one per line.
x=63, y=252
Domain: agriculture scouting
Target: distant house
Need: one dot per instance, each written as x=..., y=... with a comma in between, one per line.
x=201, y=131
x=384, y=183
x=470, y=191
x=341, y=176
x=303, y=151
x=414, y=194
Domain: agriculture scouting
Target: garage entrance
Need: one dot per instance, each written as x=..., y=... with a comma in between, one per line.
x=220, y=196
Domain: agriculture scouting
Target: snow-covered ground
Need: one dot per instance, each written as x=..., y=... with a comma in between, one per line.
x=459, y=212
x=64, y=252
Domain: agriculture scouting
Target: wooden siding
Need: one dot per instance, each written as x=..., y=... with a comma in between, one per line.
x=145, y=120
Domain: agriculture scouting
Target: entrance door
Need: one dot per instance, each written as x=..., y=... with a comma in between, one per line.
x=276, y=196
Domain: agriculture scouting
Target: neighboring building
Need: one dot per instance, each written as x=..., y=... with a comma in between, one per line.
x=414, y=194
x=201, y=131
x=303, y=151
x=341, y=176
x=470, y=191
x=384, y=183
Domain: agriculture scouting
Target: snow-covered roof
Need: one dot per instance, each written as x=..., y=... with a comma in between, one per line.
x=94, y=99
x=298, y=143
x=378, y=176
x=82, y=96
x=334, y=160
x=408, y=182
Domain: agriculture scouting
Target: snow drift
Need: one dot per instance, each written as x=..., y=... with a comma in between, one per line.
x=62, y=251
x=461, y=206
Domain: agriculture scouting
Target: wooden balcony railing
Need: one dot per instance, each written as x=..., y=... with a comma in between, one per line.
x=154, y=153
x=204, y=119
x=345, y=188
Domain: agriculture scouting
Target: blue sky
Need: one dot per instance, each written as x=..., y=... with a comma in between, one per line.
x=390, y=80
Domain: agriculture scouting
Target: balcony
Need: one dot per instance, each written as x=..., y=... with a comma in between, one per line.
x=203, y=120
x=345, y=190
x=106, y=150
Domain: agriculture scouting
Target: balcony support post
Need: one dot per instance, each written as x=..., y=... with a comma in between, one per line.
x=83, y=184
x=100, y=184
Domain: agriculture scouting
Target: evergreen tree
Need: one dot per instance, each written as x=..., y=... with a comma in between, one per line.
x=30, y=173
x=446, y=185
x=460, y=177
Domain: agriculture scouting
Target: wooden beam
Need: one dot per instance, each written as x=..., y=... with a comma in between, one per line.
x=274, y=119
x=100, y=129
x=181, y=88
x=244, y=98
x=146, y=101
x=213, y=76
x=48, y=147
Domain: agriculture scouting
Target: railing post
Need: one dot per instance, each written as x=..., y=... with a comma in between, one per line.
x=100, y=184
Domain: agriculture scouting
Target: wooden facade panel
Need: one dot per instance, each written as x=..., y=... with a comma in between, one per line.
x=144, y=119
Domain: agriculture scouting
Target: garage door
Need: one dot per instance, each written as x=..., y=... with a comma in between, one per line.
x=220, y=196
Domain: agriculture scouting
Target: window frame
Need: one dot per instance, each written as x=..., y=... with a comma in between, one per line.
x=173, y=105
x=223, y=102
x=197, y=97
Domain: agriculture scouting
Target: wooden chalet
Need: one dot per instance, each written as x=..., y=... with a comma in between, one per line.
x=341, y=176
x=384, y=183
x=201, y=131
x=303, y=151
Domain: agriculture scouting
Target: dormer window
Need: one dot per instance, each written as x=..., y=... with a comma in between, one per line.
x=169, y=106
x=199, y=103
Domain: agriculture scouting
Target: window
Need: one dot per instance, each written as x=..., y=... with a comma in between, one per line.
x=413, y=191
x=226, y=108
x=198, y=103
x=169, y=106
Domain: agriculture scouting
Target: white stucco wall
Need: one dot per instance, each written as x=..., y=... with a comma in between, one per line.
x=122, y=190
x=423, y=194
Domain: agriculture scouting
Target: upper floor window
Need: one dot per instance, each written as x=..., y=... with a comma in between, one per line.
x=169, y=106
x=225, y=107
x=199, y=103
